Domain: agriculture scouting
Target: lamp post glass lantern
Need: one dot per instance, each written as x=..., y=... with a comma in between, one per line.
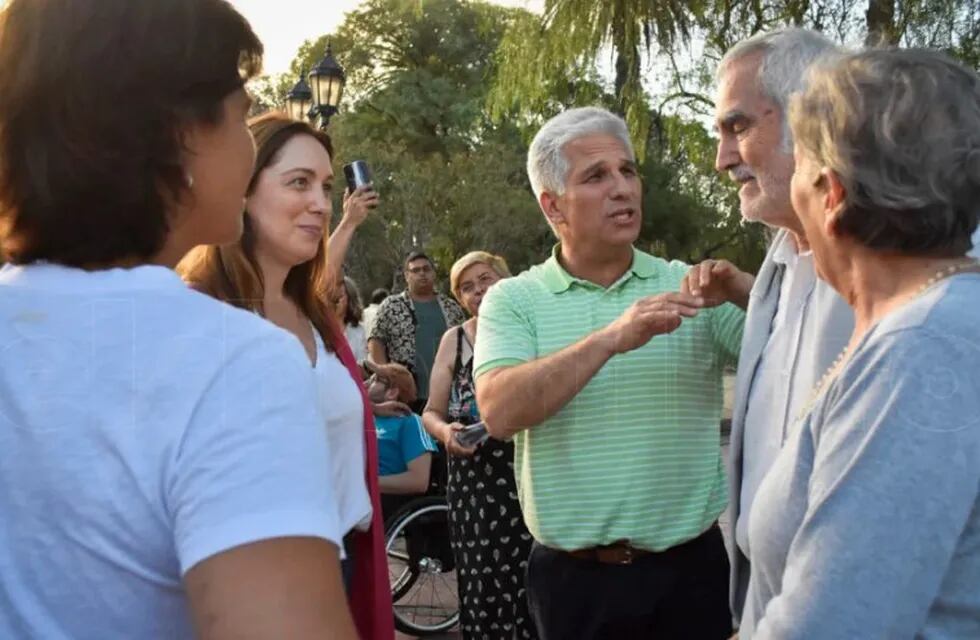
x=299, y=99
x=327, y=85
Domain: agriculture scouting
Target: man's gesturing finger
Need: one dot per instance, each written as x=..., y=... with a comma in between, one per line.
x=673, y=300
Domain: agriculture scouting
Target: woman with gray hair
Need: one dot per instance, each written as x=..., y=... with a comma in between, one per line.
x=489, y=540
x=868, y=523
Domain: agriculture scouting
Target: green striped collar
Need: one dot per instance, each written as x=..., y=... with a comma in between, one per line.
x=558, y=280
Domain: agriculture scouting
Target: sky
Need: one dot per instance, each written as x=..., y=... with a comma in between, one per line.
x=283, y=25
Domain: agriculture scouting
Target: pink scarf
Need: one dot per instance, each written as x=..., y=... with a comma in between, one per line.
x=370, y=593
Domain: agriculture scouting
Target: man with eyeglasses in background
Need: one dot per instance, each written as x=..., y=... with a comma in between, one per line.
x=409, y=326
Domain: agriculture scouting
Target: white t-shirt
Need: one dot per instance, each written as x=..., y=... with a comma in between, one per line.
x=343, y=411
x=143, y=428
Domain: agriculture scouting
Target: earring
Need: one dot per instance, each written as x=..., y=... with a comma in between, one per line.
x=189, y=180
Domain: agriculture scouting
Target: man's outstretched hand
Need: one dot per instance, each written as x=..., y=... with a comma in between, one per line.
x=648, y=317
x=717, y=282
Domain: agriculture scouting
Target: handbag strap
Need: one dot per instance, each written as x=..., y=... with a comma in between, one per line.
x=458, y=363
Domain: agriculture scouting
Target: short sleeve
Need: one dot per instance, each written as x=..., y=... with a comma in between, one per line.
x=380, y=328
x=727, y=325
x=414, y=439
x=254, y=461
x=505, y=335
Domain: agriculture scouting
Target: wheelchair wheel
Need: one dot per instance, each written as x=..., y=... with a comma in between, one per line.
x=421, y=568
x=400, y=574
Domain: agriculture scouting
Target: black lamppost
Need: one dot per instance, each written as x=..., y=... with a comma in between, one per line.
x=319, y=99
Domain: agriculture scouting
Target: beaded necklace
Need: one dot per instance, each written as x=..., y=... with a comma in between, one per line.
x=835, y=368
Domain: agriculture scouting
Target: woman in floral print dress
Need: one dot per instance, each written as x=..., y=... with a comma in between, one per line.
x=490, y=542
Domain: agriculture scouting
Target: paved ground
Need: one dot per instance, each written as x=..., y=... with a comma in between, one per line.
x=454, y=635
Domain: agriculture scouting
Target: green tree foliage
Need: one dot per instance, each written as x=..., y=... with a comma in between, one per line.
x=690, y=212
x=443, y=96
x=949, y=25
x=269, y=92
x=451, y=180
x=566, y=42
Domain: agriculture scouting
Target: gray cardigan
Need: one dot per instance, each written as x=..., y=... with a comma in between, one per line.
x=868, y=524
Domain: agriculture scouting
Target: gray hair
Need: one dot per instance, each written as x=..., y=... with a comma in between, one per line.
x=547, y=166
x=901, y=129
x=787, y=55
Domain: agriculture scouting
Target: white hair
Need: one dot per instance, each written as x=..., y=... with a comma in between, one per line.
x=787, y=55
x=547, y=166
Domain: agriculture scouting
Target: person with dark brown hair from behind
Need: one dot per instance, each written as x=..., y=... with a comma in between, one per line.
x=345, y=301
x=284, y=268
x=164, y=470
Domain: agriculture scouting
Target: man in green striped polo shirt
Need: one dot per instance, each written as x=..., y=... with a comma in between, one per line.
x=609, y=379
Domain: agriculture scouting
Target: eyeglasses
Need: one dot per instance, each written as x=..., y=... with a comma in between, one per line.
x=469, y=286
x=419, y=270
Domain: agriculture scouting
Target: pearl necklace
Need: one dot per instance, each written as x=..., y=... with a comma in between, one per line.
x=835, y=368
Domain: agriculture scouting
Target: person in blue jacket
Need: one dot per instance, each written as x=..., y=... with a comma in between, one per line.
x=404, y=447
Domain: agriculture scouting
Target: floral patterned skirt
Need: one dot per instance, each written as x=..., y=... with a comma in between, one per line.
x=490, y=543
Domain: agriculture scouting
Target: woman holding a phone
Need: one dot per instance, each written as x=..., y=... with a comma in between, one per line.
x=489, y=540
x=282, y=268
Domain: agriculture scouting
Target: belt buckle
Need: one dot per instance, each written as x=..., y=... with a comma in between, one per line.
x=628, y=557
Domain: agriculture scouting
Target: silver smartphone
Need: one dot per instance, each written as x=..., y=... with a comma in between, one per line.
x=357, y=174
x=472, y=435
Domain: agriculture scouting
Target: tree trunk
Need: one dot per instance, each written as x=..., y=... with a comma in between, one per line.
x=796, y=11
x=622, y=58
x=759, y=13
x=627, y=79
x=622, y=77
x=880, y=20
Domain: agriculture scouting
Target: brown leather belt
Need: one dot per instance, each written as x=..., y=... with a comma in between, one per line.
x=619, y=552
